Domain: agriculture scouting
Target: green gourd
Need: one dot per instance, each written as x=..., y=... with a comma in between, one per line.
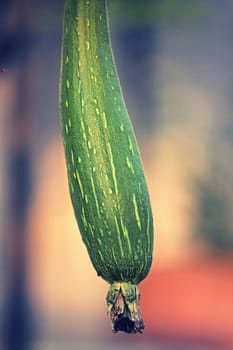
x=106, y=180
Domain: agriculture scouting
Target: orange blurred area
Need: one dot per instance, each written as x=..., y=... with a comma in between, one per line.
x=192, y=300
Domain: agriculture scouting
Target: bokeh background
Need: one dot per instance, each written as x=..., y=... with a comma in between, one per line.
x=174, y=59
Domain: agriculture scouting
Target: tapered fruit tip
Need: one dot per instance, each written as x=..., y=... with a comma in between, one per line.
x=123, y=308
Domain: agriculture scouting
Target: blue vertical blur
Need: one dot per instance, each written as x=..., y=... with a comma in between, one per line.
x=28, y=29
x=15, y=43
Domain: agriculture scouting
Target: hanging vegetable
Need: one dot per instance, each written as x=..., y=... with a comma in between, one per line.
x=106, y=181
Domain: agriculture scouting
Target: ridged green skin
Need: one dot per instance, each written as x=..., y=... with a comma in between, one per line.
x=106, y=181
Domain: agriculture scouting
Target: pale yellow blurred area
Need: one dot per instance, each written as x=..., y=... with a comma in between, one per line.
x=62, y=278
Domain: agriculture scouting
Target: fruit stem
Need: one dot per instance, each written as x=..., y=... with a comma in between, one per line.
x=123, y=308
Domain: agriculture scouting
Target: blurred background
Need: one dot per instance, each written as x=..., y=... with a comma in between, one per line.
x=174, y=59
